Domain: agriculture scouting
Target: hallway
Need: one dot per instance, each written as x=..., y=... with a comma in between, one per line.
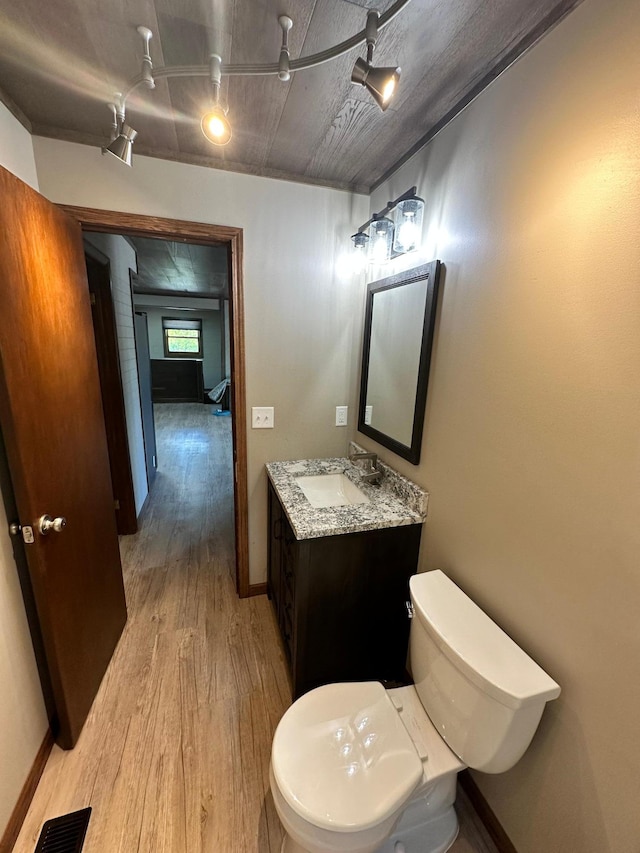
x=175, y=753
x=174, y=757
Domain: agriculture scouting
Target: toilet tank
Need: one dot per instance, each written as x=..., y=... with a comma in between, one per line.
x=482, y=692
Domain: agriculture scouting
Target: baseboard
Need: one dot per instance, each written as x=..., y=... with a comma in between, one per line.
x=485, y=813
x=257, y=589
x=12, y=830
x=143, y=508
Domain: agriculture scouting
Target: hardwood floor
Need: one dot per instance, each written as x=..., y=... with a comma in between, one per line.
x=175, y=754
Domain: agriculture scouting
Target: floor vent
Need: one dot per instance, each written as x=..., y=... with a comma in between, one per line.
x=64, y=834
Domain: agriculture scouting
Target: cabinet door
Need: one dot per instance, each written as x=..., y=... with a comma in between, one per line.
x=281, y=571
x=275, y=550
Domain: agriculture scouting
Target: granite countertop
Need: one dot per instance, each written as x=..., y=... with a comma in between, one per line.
x=396, y=502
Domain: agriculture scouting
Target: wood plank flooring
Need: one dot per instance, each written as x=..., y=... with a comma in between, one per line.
x=175, y=754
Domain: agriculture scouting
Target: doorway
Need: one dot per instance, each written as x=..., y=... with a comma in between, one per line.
x=112, y=222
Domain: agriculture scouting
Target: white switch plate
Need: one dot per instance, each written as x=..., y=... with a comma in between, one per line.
x=262, y=417
x=341, y=415
x=368, y=414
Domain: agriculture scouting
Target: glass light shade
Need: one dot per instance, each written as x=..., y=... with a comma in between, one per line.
x=408, y=231
x=380, y=240
x=215, y=126
x=358, y=258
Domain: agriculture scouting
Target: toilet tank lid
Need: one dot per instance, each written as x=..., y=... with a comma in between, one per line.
x=476, y=645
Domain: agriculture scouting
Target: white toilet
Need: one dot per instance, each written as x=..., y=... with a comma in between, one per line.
x=356, y=768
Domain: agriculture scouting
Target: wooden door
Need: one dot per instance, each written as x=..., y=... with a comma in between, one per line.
x=52, y=423
x=144, y=378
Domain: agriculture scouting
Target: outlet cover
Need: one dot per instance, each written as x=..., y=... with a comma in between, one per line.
x=368, y=414
x=262, y=417
x=341, y=415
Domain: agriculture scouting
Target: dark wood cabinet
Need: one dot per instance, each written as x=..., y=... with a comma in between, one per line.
x=340, y=601
x=177, y=380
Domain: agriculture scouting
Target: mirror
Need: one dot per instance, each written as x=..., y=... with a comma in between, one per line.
x=398, y=335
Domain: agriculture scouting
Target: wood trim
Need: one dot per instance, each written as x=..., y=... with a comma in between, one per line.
x=15, y=110
x=239, y=413
x=118, y=222
x=104, y=325
x=12, y=830
x=258, y=589
x=485, y=813
x=143, y=508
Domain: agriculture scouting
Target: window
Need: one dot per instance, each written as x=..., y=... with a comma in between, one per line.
x=182, y=338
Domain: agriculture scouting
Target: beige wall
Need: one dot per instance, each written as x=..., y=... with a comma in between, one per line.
x=23, y=720
x=302, y=323
x=531, y=449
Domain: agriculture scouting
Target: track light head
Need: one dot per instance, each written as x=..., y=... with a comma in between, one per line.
x=215, y=126
x=381, y=83
x=121, y=147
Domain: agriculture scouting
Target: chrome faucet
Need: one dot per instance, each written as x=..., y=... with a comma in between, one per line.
x=372, y=475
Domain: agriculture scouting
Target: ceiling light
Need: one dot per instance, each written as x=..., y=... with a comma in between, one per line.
x=122, y=145
x=380, y=82
x=216, y=127
x=122, y=136
x=215, y=124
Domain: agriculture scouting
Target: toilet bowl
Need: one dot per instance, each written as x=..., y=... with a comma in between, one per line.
x=376, y=757
x=356, y=768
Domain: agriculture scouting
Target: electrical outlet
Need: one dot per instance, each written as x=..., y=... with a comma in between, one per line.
x=368, y=414
x=262, y=417
x=341, y=415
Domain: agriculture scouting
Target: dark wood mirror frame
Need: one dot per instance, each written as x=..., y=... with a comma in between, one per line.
x=431, y=274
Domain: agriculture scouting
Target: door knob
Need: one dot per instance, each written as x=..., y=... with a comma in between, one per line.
x=46, y=524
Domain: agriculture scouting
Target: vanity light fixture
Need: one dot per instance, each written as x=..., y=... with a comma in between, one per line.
x=380, y=82
x=359, y=255
x=380, y=239
x=408, y=225
x=387, y=239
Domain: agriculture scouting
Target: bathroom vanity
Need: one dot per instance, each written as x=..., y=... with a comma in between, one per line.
x=338, y=574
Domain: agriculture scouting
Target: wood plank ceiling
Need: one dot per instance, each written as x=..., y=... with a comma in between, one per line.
x=180, y=268
x=62, y=60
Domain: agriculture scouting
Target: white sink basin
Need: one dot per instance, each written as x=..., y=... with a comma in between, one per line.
x=323, y=490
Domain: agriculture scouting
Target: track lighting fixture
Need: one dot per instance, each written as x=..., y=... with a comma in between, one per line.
x=122, y=136
x=386, y=238
x=215, y=124
x=380, y=82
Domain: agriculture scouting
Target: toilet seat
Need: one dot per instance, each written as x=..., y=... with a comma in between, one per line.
x=342, y=758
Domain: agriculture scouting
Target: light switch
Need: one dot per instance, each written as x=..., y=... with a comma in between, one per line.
x=262, y=417
x=368, y=413
x=341, y=415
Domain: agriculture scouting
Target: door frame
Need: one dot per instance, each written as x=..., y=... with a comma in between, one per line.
x=104, y=323
x=117, y=222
